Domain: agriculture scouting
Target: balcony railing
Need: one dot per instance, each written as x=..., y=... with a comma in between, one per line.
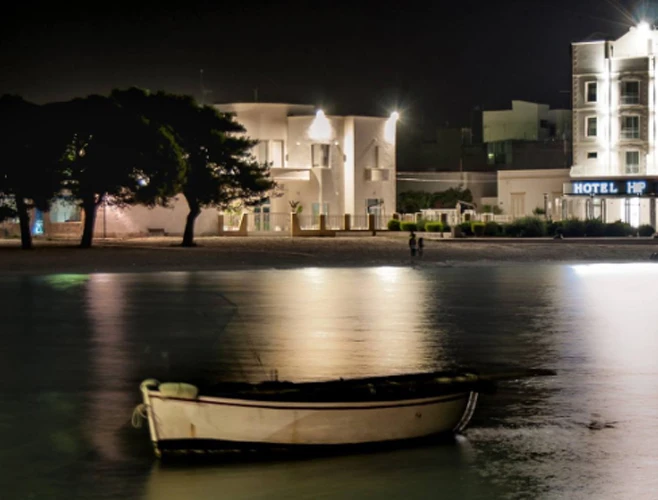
x=630, y=133
x=630, y=99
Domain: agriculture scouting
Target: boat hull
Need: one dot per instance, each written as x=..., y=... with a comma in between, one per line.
x=205, y=423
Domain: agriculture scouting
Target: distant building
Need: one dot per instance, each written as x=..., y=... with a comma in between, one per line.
x=528, y=136
x=615, y=166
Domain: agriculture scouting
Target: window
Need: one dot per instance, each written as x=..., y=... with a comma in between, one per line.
x=374, y=157
x=318, y=209
x=592, y=155
x=590, y=92
x=320, y=155
x=261, y=152
x=277, y=154
x=374, y=206
x=630, y=127
x=591, y=126
x=632, y=162
x=630, y=92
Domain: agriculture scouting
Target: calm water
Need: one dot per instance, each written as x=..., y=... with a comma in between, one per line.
x=75, y=347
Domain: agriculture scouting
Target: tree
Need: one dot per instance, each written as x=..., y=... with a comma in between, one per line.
x=29, y=172
x=414, y=201
x=219, y=167
x=115, y=156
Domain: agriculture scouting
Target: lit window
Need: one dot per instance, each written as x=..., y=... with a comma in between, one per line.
x=261, y=152
x=630, y=127
x=630, y=92
x=592, y=155
x=590, y=91
x=591, y=126
x=632, y=162
x=320, y=155
x=276, y=148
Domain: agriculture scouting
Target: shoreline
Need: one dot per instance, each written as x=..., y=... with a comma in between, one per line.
x=163, y=254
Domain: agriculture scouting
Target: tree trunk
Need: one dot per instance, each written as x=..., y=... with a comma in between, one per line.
x=195, y=210
x=24, y=222
x=89, y=207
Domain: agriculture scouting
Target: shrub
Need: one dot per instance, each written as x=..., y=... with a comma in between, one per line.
x=619, y=228
x=532, y=227
x=646, y=230
x=512, y=229
x=466, y=229
x=446, y=227
x=594, y=227
x=393, y=225
x=492, y=228
x=434, y=227
x=420, y=225
x=477, y=228
x=408, y=226
x=573, y=228
x=554, y=227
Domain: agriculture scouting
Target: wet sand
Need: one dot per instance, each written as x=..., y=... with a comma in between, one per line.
x=225, y=253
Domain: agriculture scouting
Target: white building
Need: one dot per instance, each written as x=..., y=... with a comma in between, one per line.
x=615, y=168
x=332, y=165
x=520, y=192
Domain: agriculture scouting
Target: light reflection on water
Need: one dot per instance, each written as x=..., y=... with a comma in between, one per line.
x=77, y=346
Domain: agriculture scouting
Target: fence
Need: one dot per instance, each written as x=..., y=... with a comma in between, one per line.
x=276, y=222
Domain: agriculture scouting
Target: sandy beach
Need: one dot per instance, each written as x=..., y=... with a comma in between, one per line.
x=165, y=254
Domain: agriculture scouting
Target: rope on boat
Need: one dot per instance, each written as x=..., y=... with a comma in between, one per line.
x=139, y=415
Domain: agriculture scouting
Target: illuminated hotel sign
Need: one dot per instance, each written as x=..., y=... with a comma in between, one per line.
x=595, y=187
x=634, y=187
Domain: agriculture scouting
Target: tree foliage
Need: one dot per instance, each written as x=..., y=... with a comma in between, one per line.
x=415, y=201
x=29, y=170
x=219, y=167
x=115, y=156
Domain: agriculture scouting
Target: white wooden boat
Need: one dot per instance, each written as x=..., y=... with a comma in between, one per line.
x=273, y=415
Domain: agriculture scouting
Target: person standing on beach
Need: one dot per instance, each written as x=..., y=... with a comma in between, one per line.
x=421, y=245
x=412, y=244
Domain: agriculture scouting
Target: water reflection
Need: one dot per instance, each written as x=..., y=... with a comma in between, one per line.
x=76, y=347
x=447, y=469
x=317, y=323
x=106, y=303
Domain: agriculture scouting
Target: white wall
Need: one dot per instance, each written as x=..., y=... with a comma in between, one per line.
x=531, y=185
x=137, y=220
x=369, y=134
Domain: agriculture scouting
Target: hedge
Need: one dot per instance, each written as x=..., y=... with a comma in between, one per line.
x=492, y=228
x=477, y=228
x=408, y=226
x=393, y=225
x=434, y=227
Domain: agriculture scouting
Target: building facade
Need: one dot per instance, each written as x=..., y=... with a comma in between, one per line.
x=615, y=169
x=331, y=165
x=528, y=136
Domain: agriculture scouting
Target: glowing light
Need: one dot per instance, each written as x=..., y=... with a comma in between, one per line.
x=605, y=269
x=643, y=27
x=320, y=129
x=390, y=127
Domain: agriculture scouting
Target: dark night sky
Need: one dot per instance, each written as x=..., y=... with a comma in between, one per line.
x=432, y=59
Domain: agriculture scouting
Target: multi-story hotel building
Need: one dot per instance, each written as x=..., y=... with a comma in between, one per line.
x=615, y=163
